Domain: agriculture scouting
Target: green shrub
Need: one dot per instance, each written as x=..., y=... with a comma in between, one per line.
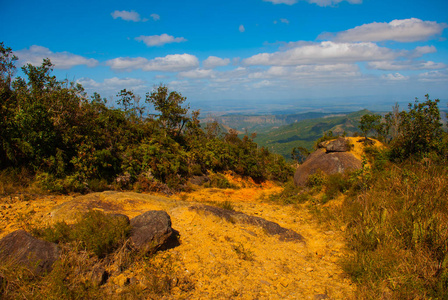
x=220, y=181
x=336, y=184
x=316, y=180
x=95, y=231
x=397, y=229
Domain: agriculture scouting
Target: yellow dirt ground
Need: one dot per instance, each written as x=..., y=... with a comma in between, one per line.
x=224, y=260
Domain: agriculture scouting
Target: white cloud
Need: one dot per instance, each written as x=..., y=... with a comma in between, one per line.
x=159, y=40
x=213, y=62
x=286, y=21
x=197, y=74
x=61, y=60
x=288, y=2
x=318, y=2
x=127, y=63
x=333, y=2
x=405, y=65
x=407, y=30
x=394, y=77
x=262, y=84
x=169, y=63
x=126, y=15
x=323, y=53
x=113, y=85
x=309, y=72
x=155, y=17
x=241, y=28
x=434, y=76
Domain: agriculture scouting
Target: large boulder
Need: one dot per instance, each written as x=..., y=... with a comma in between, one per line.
x=151, y=231
x=327, y=162
x=20, y=248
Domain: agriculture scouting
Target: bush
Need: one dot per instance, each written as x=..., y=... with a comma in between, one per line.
x=316, y=180
x=397, y=229
x=95, y=231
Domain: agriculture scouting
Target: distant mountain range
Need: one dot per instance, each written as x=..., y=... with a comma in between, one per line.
x=281, y=133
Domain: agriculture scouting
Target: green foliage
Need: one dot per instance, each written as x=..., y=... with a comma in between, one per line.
x=220, y=181
x=76, y=144
x=418, y=132
x=397, y=229
x=172, y=114
x=299, y=154
x=316, y=180
x=371, y=123
x=95, y=231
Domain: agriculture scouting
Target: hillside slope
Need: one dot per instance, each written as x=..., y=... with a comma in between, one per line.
x=219, y=259
x=304, y=133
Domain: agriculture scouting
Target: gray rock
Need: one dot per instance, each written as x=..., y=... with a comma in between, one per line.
x=151, y=231
x=329, y=163
x=19, y=247
x=271, y=228
x=339, y=145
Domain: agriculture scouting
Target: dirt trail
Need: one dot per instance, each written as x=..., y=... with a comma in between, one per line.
x=226, y=260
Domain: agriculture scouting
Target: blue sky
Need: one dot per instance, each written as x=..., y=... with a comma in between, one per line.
x=260, y=51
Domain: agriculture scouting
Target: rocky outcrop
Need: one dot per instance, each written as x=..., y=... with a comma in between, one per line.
x=151, y=231
x=331, y=158
x=339, y=145
x=271, y=228
x=20, y=248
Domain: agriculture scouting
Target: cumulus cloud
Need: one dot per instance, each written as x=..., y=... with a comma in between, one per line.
x=127, y=15
x=407, y=30
x=112, y=84
x=405, y=65
x=61, y=60
x=241, y=28
x=306, y=72
x=394, y=77
x=323, y=53
x=159, y=40
x=434, y=76
x=169, y=63
x=213, y=62
x=197, y=74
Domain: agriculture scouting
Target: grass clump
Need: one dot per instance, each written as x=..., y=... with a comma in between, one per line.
x=291, y=194
x=95, y=231
x=398, y=230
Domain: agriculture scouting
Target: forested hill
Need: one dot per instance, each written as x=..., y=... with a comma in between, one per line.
x=305, y=132
x=262, y=123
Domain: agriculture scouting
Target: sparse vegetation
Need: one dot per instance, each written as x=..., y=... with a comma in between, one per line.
x=94, y=231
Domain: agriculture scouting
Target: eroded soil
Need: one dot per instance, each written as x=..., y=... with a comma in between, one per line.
x=222, y=260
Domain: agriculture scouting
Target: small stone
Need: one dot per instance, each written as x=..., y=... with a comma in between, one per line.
x=309, y=269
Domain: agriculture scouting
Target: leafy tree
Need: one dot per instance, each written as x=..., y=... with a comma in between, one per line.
x=172, y=115
x=369, y=123
x=420, y=130
x=299, y=154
